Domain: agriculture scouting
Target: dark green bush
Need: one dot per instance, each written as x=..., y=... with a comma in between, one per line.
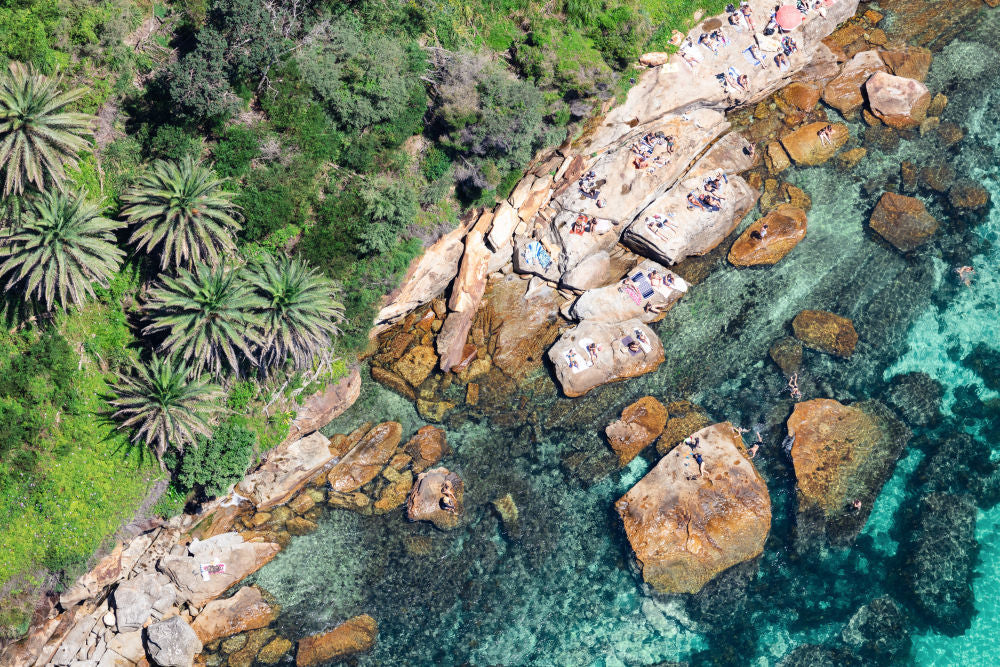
x=172, y=142
x=216, y=463
x=235, y=150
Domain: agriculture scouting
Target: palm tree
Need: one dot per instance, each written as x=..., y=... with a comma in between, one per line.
x=210, y=317
x=163, y=406
x=181, y=211
x=58, y=249
x=301, y=310
x=38, y=138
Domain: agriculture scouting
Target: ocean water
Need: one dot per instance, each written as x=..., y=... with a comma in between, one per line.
x=562, y=591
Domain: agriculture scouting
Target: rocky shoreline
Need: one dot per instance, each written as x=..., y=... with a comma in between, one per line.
x=509, y=312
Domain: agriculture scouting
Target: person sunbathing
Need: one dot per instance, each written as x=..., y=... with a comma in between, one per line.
x=693, y=201
x=640, y=162
x=576, y=227
x=747, y=14
x=743, y=81
x=719, y=38
x=656, y=227
x=707, y=42
x=758, y=56
x=736, y=22
x=713, y=184
x=628, y=289
x=572, y=359
x=712, y=202
x=592, y=352
x=641, y=337
x=781, y=60
x=789, y=45
x=826, y=136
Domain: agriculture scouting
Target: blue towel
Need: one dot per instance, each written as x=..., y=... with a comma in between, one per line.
x=642, y=282
x=534, y=251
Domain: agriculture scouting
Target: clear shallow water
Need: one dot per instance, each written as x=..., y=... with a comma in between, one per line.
x=564, y=593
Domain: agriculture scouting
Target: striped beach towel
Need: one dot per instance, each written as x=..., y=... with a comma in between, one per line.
x=642, y=282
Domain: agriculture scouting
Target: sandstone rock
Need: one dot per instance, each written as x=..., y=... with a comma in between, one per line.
x=355, y=635
x=392, y=381
x=843, y=93
x=613, y=303
x=849, y=159
x=366, y=459
x=274, y=651
x=426, y=501
x=504, y=221
x=802, y=96
x=787, y=354
x=968, y=195
x=298, y=525
x=427, y=446
x=466, y=294
x=902, y=221
x=537, y=197
x=591, y=272
x=172, y=643
x=685, y=528
x=287, y=468
x=256, y=639
x=928, y=125
x=416, y=364
x=654, y=58
x=507, y=509
x=826, y=332
x=106, y=572
x=530, y=323
x=614, y=360
x=247, y=610
x=806, y=148
x=301, y=503
x=775, y=158
x=843, y=454
x=394, y=493
x=136, y=598
x=877, y=37
x=938, y=104
x=785, y=227
x=641, y=423
x=433, y=411
x=685, y=419
x=426, y=278
x=236, y=558
x=878, y=632
x=323, y=407
x=911, y=62
x=932, y=25
x=898, y=102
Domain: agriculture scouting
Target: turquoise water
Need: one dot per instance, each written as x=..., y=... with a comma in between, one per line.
x=564, y=592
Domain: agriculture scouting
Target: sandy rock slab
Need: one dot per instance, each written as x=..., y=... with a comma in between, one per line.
x=633, y=297
x=287, y=469
x=247, y=610
x=785, y=227
x=842, y=456
x=578, y=373
x=215, y=564
x=805, y=146
x=355, y=635
x=685, y=528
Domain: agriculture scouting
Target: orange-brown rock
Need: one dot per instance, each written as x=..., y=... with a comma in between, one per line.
x=897, y=101
x=775, y=158
x=949, y=134
x=684, y=527
x=416, y=364
x=654, y=58
x=787, y=354
x=912, y=62
x=850, y=158
x=106, y=572
x=366, y=459
x=355, y=635
x=826, y=332
x=843, y=93
x=641, y=423
x=427, y=446
x=802, y=96
x=466, y=295
x=969, y=195
x=805, y=147
x=843, y=454
x=323, y=407
x=428, y=502
x=685, y=419
x=530, y=323
x=930, y=24
x=769, y=239
x=392, y=381
x=247, y=610
x=902, y=221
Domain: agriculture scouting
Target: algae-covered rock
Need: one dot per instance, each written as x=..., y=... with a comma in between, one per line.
x=641, y=423
x=826, y=332
x=902, y=221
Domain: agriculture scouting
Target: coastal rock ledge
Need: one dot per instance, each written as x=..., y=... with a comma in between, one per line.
x=686, y=528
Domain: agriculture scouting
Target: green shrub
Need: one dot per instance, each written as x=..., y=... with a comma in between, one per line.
x=216, y=463
x=172, y=142
x=235, y=150
x=240, y=395
x=276, y=197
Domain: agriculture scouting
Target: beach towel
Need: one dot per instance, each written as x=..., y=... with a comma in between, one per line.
x=663, y=233
x=632, y=293
x=581, y=362
x=534, y=252
x=584, y=342
x=628, y=340
x=642, y=282
x=638, y=337
x=750, y=59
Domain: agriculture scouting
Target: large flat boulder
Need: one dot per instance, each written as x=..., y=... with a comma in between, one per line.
x=172, y=643
x=913, y=62
x=641, y=423
x=770, y=238
x=366, y=459
x=105, y=573
x=527, y=317
x=247, y=610
x=137, y=598
x=844, y=92
x=287, y=468
x=691, y=231
x=897, y=101
x=323, y=407
x=805, y=146
x=214, y=565
x=902, y=221
x=355, y=635
x=614, y=360
x=466, y=295
x=633, y=297
x=842, y=456
x=686, y=528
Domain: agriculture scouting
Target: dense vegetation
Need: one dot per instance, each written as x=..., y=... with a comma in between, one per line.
x=207, y=198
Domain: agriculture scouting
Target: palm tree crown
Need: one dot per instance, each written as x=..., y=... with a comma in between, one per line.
x=300, y=312
x=163, y=406
x=181, y=211
x=59, y=249
x=209, y=315
x=37, y=137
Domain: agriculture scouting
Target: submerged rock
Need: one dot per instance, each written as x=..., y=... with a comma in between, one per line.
x=612, y=358
x=968, y=195
x=916, y=397
x=437, y=497
x=826, y=332
x=686, y=528
x=366, y=459
x=912, y=62
x=940, y=562
x=355, y=635
x=526, y=320
x=842, y=456
x=878, y=632
x=787, y=354
x=897, y=101
x=427, y=446
x=902, y=221
x=685, y=419
x=769, y=239
x=641, y=423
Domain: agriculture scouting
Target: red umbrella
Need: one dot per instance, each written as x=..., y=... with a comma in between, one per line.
x=788, y=17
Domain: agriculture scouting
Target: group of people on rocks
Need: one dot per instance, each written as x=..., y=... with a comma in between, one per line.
x=643, y=149
x=693, y=442
x=585, y=224
x=589, y=187
x=707, y=199
x=448, y=502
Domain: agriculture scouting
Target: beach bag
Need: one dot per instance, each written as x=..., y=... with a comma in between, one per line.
x=768, y=31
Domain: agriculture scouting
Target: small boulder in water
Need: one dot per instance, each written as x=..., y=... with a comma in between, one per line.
x=355, y=635
x=787, y=354
x=878, y=632
x=897, y=101
x=436, y=497
x=825, y=332
x=641, y=423
x=770, y=238
x=902, y=221
x=968, y=195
